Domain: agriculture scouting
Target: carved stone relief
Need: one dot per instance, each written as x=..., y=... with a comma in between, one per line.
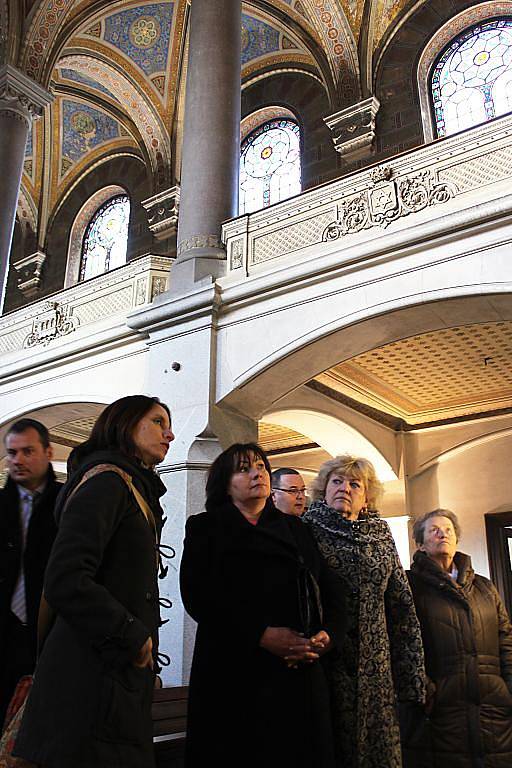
x=388, y=199
x=57, y=320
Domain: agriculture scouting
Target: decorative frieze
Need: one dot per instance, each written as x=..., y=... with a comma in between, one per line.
x=162, y=211
x=388, y=199
x=200, y=241
x=353, y=129
x=55, y=321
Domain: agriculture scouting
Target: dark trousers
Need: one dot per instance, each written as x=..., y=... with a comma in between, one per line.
x=17, y=658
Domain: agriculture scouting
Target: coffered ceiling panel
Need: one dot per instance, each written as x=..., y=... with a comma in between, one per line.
x=446, y=374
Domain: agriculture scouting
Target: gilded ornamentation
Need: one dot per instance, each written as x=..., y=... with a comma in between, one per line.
x=56, y=321
x=387, y=200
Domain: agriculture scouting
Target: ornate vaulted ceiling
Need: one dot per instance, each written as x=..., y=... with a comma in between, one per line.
x=117, y=70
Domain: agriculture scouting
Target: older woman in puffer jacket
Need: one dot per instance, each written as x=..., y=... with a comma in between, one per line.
x=467, y=638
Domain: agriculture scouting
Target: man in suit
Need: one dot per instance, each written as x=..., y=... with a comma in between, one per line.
x=289, y=491
x=27, y=531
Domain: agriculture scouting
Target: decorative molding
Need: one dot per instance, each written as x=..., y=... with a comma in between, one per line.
x=200, y=241
x=29, y=277
x=57, y=320
x=21, y=95
x=236, y=257
x=162, y=212
x=353, y=129
x=388, y=199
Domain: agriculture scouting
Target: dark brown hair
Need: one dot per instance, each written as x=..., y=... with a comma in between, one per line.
x=224, y=467
x=114, y=427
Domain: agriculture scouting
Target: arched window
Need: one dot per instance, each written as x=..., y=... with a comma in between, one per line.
x=106, y=238
x=471, y=80
x=270, y=164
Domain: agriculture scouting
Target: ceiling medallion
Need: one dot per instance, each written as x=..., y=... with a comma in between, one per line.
x=145, y=32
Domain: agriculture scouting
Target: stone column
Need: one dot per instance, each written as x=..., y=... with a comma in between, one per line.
x=211, y=140
x=21, y=99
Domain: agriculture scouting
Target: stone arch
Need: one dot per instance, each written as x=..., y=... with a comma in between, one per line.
x=286, y=365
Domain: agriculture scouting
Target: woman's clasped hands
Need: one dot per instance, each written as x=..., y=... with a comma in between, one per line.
x=293, y=647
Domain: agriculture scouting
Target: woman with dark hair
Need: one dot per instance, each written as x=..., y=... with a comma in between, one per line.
x=267, y=608
x=381, y=662
x=90, y=705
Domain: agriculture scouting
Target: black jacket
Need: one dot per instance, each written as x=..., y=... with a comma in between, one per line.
x=89, y=706
x=468, y=655
x=40, y=536
x=246, y=707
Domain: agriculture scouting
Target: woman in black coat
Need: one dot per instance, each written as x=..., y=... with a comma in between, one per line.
x=467, y=638
x=267, y=608
x=90, y=705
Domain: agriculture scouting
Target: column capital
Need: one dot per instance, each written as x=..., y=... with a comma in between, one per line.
x=22, y=95
x=162, y=212
x=353, y=129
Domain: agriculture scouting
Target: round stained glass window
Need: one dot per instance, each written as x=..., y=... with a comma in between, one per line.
x=270, y=168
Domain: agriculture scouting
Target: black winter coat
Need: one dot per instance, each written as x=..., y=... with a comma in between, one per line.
x=40, y=536
x=89, y=706
x=467, y=638
x=245, y=706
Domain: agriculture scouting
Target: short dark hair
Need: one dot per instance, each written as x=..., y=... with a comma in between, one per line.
x=223, y=468
x=418, y=528
x=278, y=473
x=23, y=424
x=113, y=429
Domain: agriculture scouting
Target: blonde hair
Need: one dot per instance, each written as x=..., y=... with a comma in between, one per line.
x=351, y=466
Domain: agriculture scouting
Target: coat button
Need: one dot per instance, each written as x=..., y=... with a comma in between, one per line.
x=130, y=619
x=149, y=595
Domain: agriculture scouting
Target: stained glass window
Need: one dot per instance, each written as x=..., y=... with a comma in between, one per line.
x=106, y=238
x=472, y=80
x=270, y=165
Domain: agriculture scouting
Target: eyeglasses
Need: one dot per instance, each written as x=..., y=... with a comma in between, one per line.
x=293, y=491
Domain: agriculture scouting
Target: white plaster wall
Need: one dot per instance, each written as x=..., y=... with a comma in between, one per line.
x=473, y=483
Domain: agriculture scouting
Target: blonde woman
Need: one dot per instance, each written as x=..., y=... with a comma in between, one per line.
x=381, y=662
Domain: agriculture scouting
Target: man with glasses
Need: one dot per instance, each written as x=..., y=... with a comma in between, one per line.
x=289, y=491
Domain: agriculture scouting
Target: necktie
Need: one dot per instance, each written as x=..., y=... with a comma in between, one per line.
x=18, y=600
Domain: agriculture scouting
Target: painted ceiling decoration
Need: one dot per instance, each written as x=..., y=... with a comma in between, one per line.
x=124, y=59
x=88, y=82
x=84, y=128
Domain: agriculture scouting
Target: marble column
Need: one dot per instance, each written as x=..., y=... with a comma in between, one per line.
x=211, y=140
x=21, y=99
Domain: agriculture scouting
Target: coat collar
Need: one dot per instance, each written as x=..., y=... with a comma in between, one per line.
x=271, y=534
x=429, y=571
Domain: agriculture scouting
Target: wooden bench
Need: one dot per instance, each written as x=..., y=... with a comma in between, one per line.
x=169, y=713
